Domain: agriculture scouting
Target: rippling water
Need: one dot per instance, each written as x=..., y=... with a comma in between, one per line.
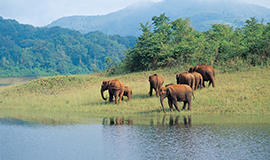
x=168, y=137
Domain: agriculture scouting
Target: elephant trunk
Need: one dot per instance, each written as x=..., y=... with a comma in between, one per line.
x=101, y=91
x=161, y=101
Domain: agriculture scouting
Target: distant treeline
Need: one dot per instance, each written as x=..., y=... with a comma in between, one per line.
x=32, y=51
x=166, y=43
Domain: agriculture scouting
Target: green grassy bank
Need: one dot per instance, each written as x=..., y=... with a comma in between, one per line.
x=245, y=93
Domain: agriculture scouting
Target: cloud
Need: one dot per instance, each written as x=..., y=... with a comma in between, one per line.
x=43, y=12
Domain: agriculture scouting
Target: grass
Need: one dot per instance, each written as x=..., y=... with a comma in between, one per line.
x=14, y=81
x=245, y=93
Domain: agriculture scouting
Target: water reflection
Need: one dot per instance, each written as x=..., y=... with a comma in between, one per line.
x=177, y=137
x=175, y=122
x=186, y=120
x=117, y=121
x=134, y=137
x=15, y=121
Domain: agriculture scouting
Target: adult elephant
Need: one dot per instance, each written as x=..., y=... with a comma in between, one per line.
x=127, y=93
x=198, y=80
x=207, y=72
x=186, y=78
x=174, y=93
x=156, y=83
x=116, y=88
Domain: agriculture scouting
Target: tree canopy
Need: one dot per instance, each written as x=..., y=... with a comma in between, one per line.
x=166, y=43
x=32, y=51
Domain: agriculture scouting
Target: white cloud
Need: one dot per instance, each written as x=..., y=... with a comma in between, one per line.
x=264, y=3
x=43, y=12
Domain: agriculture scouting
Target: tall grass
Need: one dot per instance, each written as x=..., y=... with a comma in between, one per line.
x=235, y=93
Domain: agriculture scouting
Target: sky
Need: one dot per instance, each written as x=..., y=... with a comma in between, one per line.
x=43, y=12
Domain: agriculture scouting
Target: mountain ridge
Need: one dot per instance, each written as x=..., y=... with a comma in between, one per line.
x=127, y=21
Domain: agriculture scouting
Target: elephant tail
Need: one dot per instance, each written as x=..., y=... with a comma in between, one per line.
x=193, y=94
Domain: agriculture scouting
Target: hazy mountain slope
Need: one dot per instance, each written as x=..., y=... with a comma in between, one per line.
x=26, y=50
x=202, y=14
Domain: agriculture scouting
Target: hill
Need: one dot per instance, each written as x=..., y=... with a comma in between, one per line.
x=32, y=51
x=235, y=93
x=202, y=14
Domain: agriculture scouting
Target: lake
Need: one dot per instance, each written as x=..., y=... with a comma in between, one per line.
x=35, y=135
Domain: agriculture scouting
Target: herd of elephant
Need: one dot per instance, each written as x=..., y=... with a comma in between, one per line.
x=183, y=91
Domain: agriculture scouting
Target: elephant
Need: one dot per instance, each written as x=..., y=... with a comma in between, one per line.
x=127, y=92
x=156, y=83
x=116, y=88
x=186, y=78
x=174, y=93
x=198, y=80
x=207, y=72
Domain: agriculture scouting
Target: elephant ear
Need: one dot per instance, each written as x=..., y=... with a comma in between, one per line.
x=177, y=75
x=105, y=83
x=168, y=91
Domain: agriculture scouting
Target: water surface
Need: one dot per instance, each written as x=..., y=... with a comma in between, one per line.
x=133, y=137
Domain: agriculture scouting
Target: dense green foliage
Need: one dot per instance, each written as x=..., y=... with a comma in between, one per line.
x=32, y=51
x=176, y=43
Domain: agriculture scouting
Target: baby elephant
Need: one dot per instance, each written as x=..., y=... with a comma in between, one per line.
x=174, y=93
x=127, y=92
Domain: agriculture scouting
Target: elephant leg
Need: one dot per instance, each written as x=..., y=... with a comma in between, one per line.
x=176, y=105
x=209, y=83
x=189, y=103
x=157, y=92
x=116, y=97
x=213, y=81
x=170, y=105
x=110, y=96
x=196, y=87
x=184, y=106
x=121, y=95
x=129, y=96
x=189, y=83
x=203, y=84
x=151, y=90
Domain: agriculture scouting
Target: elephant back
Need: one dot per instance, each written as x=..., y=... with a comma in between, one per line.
x=206, y=71
x=156, y=80
x=186, y=78
x=116, y=84
x=196, y=75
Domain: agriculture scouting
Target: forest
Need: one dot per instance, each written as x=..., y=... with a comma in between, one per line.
x=165, y=43
x=32, y=51
x=26, y=50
